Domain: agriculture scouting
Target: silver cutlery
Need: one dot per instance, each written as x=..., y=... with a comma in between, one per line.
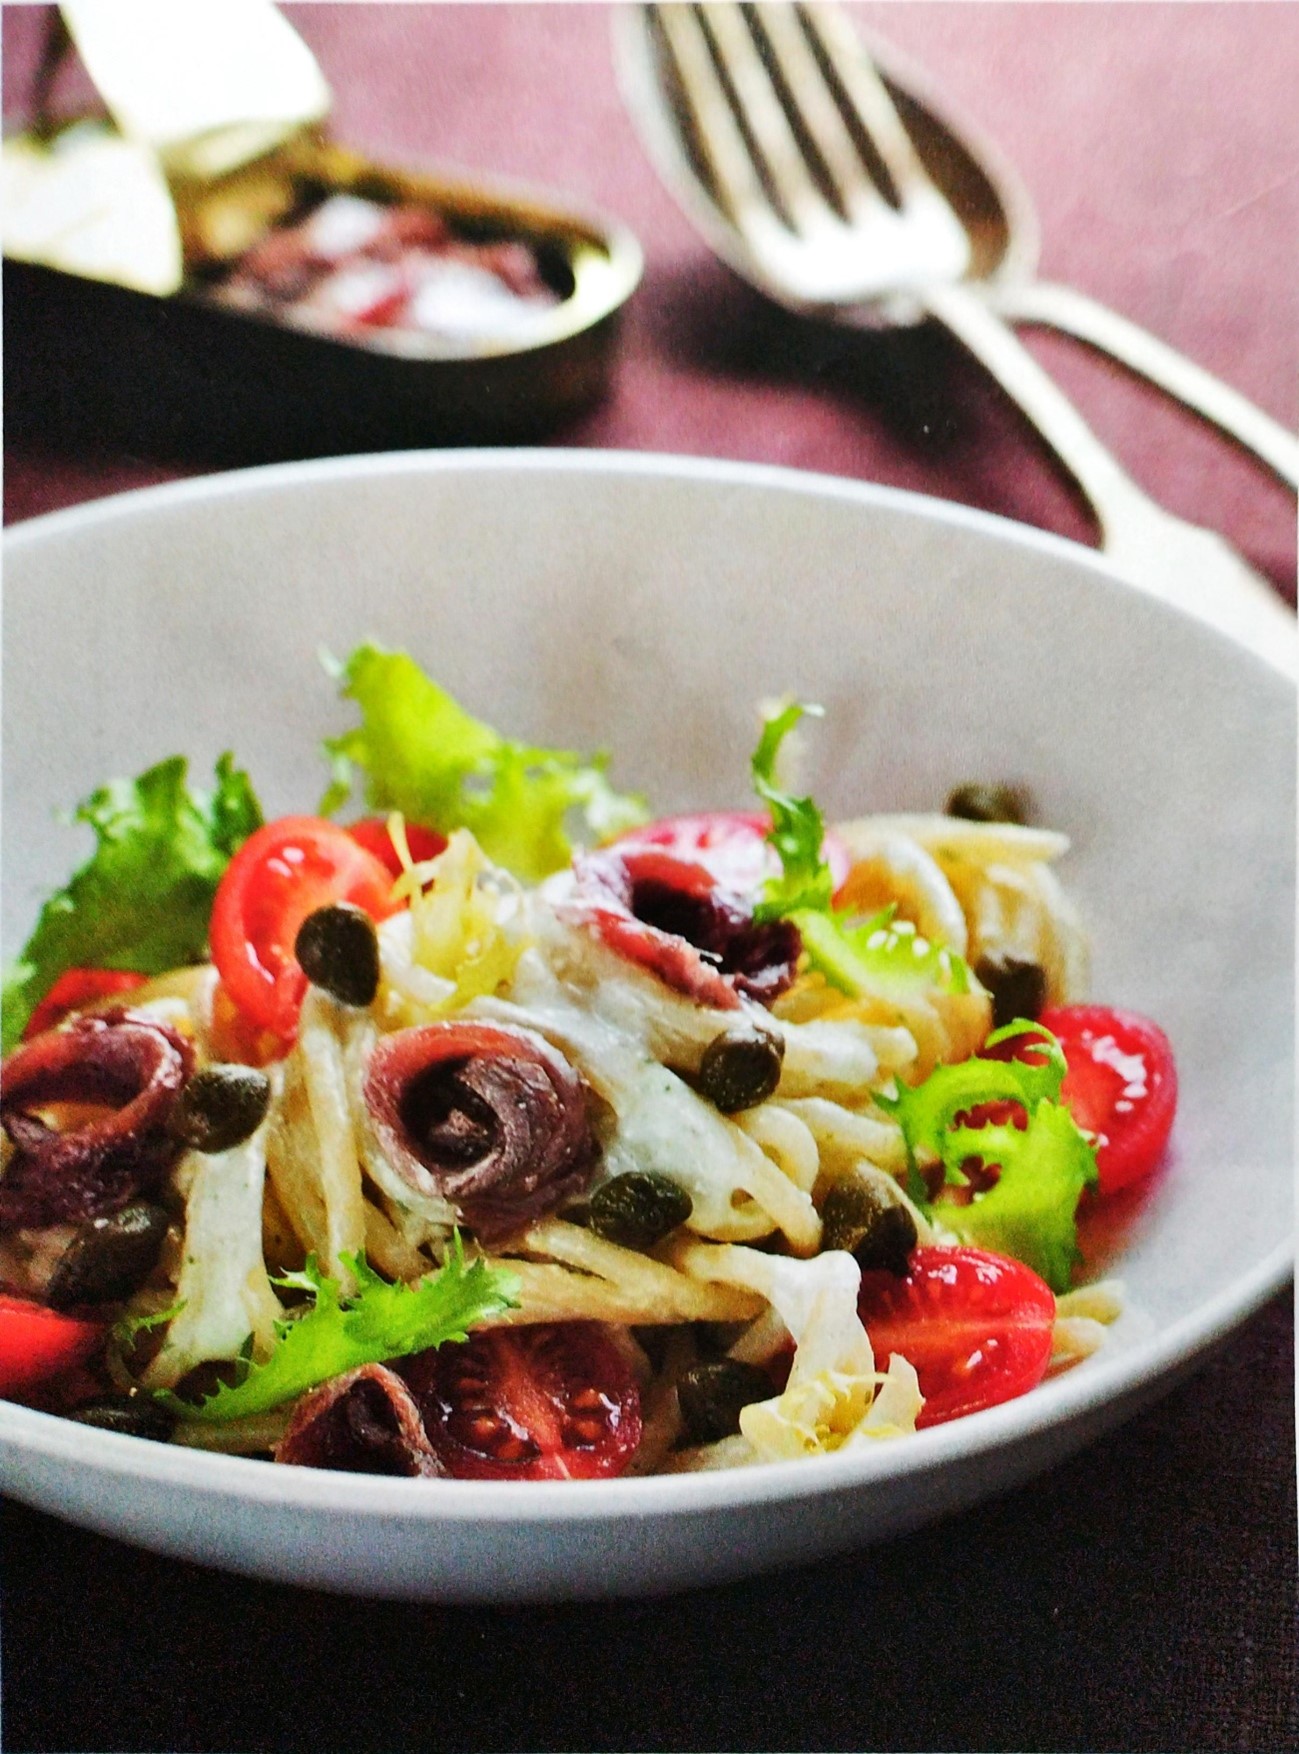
x=921, y=144
x=784, y=145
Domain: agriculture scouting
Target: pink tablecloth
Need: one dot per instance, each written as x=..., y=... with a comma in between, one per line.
x=1140, y=1597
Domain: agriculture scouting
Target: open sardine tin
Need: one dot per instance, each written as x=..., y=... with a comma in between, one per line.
x=211, y=184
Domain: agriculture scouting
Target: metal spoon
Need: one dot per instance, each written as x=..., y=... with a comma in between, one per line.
x=997, y=254
x=768, y=119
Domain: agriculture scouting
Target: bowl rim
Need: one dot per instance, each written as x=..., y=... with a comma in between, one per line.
x=1276, y=657
x=531, y=460
x=1058, y=1403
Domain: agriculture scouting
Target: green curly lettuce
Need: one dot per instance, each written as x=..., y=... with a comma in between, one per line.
x=1030, y=1210
x=420, y=753
x=143, y=900
x=125, y=1329
x=797, y=827
x=336, y=1334
x=879, y=956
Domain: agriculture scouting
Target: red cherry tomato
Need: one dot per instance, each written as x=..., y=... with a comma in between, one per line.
x=371, y=832
x=976, y=1326
x=732, y=845
x=281, y=874
x=1121, y=1085
x=36, y=1342
x=548, y=1402
x=75, y=990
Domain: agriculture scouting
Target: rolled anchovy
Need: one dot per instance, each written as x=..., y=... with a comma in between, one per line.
x=120, y=1061
x=363, y=1422
x=674, y=918
x=489, y=1117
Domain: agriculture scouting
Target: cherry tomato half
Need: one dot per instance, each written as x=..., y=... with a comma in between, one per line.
x=1121, y=1085
x=282, y=873
x=76, y=989
x=36, y=1342
x=732, y=844
x=976, y=1326
x=554, y=1401
x=371, y=832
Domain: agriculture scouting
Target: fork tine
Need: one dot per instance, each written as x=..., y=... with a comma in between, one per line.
x=718, y=133
x=759, y=101
x=766, y=120
x=817, y=107
x=869, y=96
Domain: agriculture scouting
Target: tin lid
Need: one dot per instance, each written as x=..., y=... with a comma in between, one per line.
x=90, y=203
x=202, y=95
x=206, y=85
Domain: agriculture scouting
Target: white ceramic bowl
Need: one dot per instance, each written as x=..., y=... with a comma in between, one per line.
x=646, y=604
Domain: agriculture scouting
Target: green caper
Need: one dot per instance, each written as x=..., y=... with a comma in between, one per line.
x=741, y=1068
x=711, y=1397
x=221, y=1106
x=872, y=1224
x=338, y=949
x=978, y=802
x=1018, y=987
x=108, y=1258
x=638, y=1209
x=132, y=1415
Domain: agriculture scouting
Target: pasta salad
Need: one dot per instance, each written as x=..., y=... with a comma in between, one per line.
x=433, y=1145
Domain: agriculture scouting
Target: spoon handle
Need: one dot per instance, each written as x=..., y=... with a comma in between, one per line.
x=1074, y=313
x=1178, y=561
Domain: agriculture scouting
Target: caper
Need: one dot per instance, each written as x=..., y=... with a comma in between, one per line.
x=338, y=949
x=221, y=1106
x=132, y=1415
x=1018, y=987
x=741, y=1068
x=108, y=1258
x=638, y=1209
x=873, y=1225
x=711, y=1397
x=989, y=803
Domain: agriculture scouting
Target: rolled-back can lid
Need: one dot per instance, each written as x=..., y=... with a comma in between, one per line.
x=207, y=85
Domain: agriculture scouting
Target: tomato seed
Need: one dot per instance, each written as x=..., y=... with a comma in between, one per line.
x=584, y=1432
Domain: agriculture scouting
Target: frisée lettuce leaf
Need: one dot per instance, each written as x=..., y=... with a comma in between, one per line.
x=420, y=753
x=1041, y=1168
x=881, y=955
x=797, y=827
x=1030, y=1211
x=143, y=900
x=336, y=1334
x=927, y=1111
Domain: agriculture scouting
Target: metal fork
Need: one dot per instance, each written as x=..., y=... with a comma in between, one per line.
x=793, y=135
